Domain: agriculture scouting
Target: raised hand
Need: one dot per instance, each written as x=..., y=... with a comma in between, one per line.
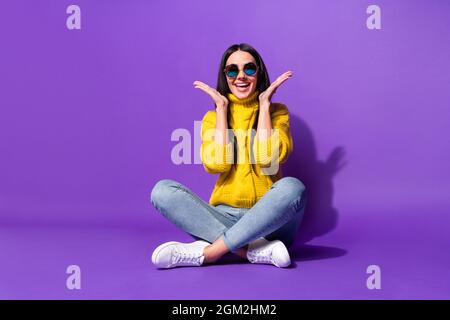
x=265, y=96
x=219, y=100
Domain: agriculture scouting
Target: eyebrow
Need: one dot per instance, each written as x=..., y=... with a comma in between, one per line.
x=242, y=64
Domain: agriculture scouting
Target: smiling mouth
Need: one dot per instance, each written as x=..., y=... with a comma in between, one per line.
x=242, y=85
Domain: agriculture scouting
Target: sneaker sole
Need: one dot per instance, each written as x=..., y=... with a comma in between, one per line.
x=159, y=248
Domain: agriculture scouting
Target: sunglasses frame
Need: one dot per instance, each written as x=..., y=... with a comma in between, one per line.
x=233, y=64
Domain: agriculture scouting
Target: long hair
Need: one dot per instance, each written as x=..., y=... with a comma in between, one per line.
x=262, y=83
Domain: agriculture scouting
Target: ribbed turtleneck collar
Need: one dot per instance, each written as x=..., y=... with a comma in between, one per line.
x=249, y=102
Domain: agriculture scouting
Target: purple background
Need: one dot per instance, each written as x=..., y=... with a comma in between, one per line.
x=86, y=119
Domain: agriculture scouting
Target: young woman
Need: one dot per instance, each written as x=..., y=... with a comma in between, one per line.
x=253, y=211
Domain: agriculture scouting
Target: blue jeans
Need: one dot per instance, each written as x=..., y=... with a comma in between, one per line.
x=277, y=215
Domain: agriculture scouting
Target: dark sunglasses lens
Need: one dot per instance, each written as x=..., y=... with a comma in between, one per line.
x=250, y=69
x=232, y=71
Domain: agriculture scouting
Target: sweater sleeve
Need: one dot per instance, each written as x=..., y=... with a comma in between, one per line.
x=216, y=158
x=276, y=148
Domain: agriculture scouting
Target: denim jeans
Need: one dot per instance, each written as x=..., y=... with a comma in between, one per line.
x=277, y=215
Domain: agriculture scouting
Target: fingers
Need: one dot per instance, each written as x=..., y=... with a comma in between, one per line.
x=203, y=86
x=268, y=93
x=282, y=79
x=198, y=83
x=213, y=93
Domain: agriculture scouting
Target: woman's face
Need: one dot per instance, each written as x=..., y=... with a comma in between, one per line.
x=243, y=85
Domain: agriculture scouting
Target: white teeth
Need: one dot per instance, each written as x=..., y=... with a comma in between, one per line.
x=242, y=84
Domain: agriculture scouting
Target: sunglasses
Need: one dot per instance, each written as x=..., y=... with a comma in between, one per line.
x=232, y=70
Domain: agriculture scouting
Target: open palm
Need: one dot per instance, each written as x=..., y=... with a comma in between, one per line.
x=266, y=96
x=218, y=99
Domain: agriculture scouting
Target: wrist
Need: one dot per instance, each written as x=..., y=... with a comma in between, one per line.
x=221, y=108
x=264, y=106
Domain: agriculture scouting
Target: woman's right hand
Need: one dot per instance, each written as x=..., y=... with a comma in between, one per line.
x=220, y=101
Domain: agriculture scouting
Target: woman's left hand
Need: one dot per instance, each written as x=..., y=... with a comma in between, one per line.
x=266, y=96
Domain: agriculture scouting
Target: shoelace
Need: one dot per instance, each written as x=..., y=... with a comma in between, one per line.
x=264, y=255
x=182, y=255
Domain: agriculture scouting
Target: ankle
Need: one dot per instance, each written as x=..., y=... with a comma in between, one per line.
x=214, y=251
x=241, y=252
x=208, y=255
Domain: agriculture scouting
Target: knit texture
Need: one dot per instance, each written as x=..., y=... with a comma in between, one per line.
x=248, y=168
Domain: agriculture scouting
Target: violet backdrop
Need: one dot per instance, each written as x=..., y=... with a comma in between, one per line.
x=87, y=115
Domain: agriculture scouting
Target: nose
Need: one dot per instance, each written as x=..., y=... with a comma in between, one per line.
x=241, y=75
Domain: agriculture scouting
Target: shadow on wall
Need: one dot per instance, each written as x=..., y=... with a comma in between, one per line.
x=320, y=215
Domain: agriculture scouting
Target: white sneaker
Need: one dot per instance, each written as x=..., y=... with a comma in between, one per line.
x=176, y=254
x=270, y=252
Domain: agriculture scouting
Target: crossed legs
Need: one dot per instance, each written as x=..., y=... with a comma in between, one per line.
x=276, y=215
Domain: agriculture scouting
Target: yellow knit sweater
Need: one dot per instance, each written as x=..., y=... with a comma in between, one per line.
x=243, y=179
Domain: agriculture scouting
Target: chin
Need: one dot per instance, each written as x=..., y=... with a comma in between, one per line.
x=243, y=95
